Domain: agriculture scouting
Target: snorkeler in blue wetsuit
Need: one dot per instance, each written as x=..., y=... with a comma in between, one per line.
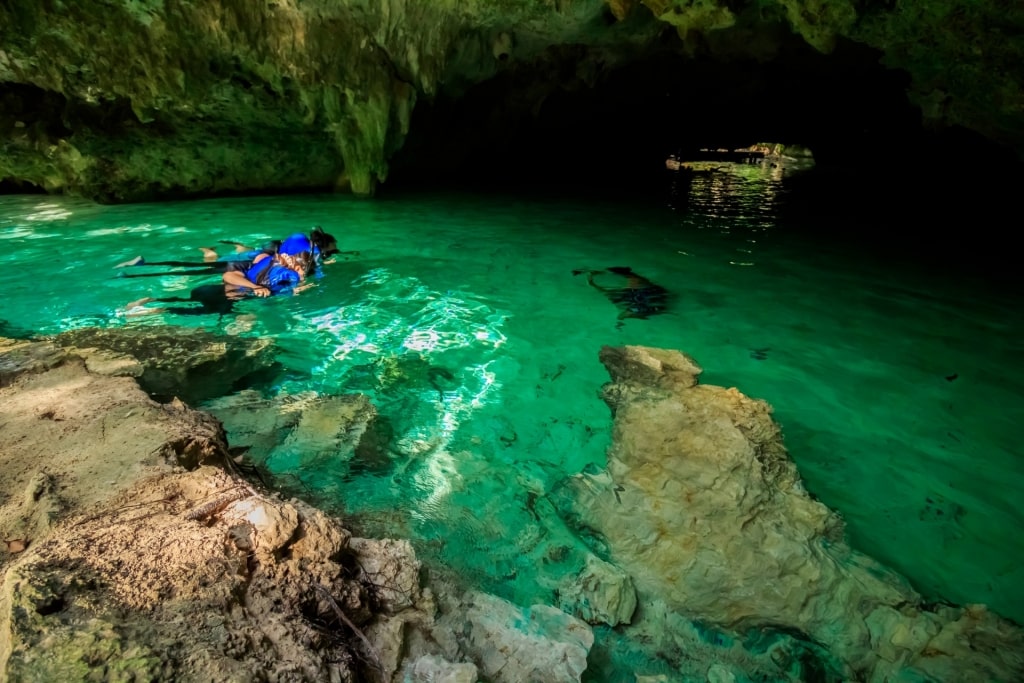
x=324, y=245
x=264, y=276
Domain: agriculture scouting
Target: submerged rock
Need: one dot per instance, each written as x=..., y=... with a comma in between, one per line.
x=702, y=506
x=300, y=433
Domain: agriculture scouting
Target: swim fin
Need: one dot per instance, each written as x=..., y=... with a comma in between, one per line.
x=137, y=261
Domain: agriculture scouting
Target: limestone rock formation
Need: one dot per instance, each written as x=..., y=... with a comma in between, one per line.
x=133, y=550
x=545, y=644
x=141, y=100
x=463, y=636
x=963, y=60
x=127, y=100
x=703, y=508
x=72, y=436
x=433, y=669
x=509, y=643
x=186, y=363
x=600, y=593
x=111, y=592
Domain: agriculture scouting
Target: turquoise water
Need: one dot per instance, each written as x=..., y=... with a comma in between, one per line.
x=898, y=387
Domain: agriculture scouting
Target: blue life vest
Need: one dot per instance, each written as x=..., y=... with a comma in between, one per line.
x=280, y=278
x=273, y=276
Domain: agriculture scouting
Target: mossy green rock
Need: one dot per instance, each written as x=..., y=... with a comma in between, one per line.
x=53, y=637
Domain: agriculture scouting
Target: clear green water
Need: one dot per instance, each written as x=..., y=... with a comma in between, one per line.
x=853, y=353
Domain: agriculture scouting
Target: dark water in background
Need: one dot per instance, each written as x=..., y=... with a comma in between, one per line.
x=890, y=347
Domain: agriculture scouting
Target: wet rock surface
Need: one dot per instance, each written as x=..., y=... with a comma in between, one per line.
x=702, y=507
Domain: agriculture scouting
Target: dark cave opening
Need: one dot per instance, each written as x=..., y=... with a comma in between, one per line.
x=547, y=126
x=568, y=122
x=16, y=186
x=542, y=125
x=877, y=166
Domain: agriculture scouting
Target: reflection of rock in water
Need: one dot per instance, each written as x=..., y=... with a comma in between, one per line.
x=702, y=507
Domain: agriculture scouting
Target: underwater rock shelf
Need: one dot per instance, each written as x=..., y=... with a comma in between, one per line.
x=136, y=549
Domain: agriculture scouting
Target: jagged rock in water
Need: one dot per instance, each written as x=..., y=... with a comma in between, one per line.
x=702, y=506
x=511, y=644
x=600, y=593
x=433, y=669
x=186, y=363
x=394, y=566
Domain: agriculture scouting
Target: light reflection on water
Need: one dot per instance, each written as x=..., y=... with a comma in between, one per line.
x=424, y=358
x=738, y=202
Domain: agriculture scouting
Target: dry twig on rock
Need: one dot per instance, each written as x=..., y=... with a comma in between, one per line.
x=371, y=653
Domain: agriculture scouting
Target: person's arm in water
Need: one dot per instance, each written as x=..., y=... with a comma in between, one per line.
x=236, y=278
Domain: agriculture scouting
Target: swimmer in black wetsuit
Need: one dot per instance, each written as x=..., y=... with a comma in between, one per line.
x=637, y=297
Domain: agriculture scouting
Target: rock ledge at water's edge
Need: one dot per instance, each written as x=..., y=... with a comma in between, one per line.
x=136, y=550
x=702, y=507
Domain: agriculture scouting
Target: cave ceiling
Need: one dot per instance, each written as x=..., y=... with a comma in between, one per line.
x=124, y=100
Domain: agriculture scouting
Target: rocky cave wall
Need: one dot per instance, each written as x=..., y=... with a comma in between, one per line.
x=132, y=100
